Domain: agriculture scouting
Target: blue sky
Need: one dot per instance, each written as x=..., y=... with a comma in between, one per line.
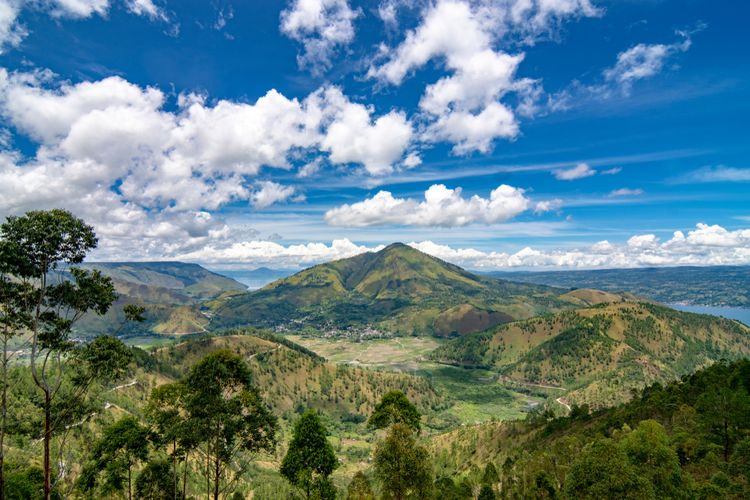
x=501, y=135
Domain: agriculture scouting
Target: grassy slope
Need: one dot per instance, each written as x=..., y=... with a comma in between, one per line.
x=399, y=290
x=599, y=353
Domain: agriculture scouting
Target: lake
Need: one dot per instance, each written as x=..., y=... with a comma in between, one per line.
x=738, y=313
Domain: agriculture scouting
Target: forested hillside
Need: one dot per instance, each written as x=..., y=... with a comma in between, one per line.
x=686, y=439
x=598, y=354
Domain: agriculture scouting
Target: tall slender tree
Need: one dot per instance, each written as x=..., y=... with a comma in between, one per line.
x=227, y=413
x=38, y=243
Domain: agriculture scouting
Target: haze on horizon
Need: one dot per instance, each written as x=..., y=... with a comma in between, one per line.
x=495, y=135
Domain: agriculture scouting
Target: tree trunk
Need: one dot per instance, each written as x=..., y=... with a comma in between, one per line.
x=184, y=475
x=130, y=490
x=208, y=472
x=726, y=440
x=174, y=467
x=217, y=476
x=3, y=416
x=47, y=440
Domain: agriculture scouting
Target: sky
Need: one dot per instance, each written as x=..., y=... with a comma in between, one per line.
x=504, y=134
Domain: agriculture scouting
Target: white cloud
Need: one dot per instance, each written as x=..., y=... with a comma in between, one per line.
x=644, y=60
x=322, y=26
x=412, y=160
x=705, y=245
x=272, y=253
x=11, y=33
x=270, y=192
x=719, y=173
x=353, y=136
x=465, y=106
x=626, y=192
x=578, y=172
x=441, y=207
x=611, y=171
x=193, y=158
x=548, y=206
x=146, y=8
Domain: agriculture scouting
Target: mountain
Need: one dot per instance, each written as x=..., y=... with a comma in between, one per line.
x=596, y=355
x=171, y=292
x=709, y=285
x=398, y=289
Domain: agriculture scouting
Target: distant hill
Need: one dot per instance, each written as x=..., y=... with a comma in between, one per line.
x=597, y=354
x=171, y=292
x=398, y=289
x=711, y=285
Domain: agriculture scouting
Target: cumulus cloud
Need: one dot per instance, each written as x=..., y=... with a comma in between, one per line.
x=111, y=147
x=269, y=192
x=322, y=26
x=194, y=157
x=353, y=136
x=611, y=171
x=626, y=192
x=580, y=171
x=464, y=107
x=441, y=206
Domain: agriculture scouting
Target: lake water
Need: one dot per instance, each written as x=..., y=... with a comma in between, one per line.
x=738, y=313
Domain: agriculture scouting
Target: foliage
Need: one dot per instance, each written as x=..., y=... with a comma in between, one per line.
x=395, y=408
x=310, y=458
x=402, y=466
x=226, y=411
x=359, y=488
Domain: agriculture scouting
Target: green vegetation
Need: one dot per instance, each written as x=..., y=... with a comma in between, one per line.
x=398, y=290
x=598, y=354
x=250, y=413
x=310, y=459
x=669, y=442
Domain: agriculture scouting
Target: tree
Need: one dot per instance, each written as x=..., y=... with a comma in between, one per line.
x=310, y=458
x=34, y=245
x=603, y=470
x=649, y=450
x=359, y=488
x=122, y=446
x=165, y=410
x=395, y=408
x=490, y=477
x=724, y=413
x=401, y=466
x=227, y=413
x=14, y=318
x=155, y=481
x=486, y=493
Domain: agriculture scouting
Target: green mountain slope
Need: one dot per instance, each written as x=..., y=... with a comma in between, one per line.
x=397, y=290
x=171, y=292
x=598, y=354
